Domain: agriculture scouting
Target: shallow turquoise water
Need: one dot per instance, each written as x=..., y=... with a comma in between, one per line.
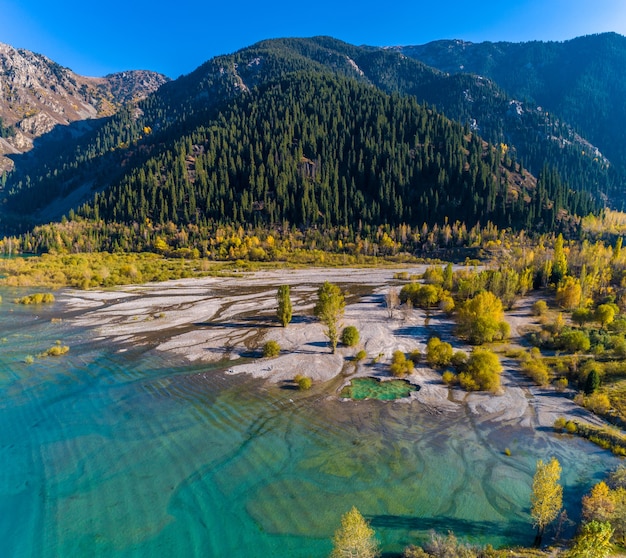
x=127, y=454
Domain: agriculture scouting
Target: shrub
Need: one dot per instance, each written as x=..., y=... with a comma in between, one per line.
x=574, y=341
x=271, y=349
x=55, y=350
x=400, y=365
x=561, y=384
x=449, y=377
x=361, y=355
x=540, y=308
x=482, y=372
x=36, y=298
x=598, y=403
x=536, y=369
x=350, y=336
x=304, y=382
x=438, y=353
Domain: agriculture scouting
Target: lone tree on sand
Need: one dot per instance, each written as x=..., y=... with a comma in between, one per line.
x=546, y=498
x=283, y=312
x=355, y=538
x=329, y=310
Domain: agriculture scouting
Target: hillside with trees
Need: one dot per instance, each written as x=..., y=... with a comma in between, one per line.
x=581, y=81
x=59, y=177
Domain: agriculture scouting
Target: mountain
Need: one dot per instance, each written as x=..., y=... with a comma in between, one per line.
x=37, y=95
x=581, y=81
x=91, y=162
x=188, y=155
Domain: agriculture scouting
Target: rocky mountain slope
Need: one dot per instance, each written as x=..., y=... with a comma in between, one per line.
x=37, y=94
x=582, y=81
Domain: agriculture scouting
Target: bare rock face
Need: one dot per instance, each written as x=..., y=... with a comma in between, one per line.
x=37, y=94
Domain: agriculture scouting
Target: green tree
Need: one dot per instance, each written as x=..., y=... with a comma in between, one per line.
x=593, y=541
x=604, y=314
x=350, y=336
x=481, y=319
x=284, y=310
x=592, y=383
x=546, y=497
x=355, y=538
x=329, y=310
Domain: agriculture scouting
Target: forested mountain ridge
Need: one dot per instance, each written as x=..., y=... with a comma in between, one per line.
x=169, y=126
x=37, y=95
x=581, y=80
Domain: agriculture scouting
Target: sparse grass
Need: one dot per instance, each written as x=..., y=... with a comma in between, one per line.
x=609, y=438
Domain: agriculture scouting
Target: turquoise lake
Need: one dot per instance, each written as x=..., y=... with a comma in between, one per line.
x=131, y=453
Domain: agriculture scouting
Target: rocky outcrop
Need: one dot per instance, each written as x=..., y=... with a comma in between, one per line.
x=37, y=94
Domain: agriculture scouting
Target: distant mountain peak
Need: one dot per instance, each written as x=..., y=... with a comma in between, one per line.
x=37, y=94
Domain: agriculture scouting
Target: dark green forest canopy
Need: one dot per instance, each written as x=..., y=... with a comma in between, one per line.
x=116, y=150
x=320, y=150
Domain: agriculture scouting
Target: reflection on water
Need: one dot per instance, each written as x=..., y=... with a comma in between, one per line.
x=128, y=454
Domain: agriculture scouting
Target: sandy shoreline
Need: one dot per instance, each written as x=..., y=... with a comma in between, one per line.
x=230, y=318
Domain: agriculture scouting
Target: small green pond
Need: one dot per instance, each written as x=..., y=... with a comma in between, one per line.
x=372, y=388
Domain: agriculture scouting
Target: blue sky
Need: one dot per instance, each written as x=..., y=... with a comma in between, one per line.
x=174, y=37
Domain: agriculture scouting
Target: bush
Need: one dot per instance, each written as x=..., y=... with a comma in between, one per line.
x=36, y=298
x=304, y=382
x=350, y=336
x=574, y=341
x=540, y=308
x=561, y=384
x=361, y=355
x=438, y=353
x=55, y=350
x=538, y=371
x=598, y=403
x=271, y=349
x=449, y=378
x=482, y=372
x=400, y=365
